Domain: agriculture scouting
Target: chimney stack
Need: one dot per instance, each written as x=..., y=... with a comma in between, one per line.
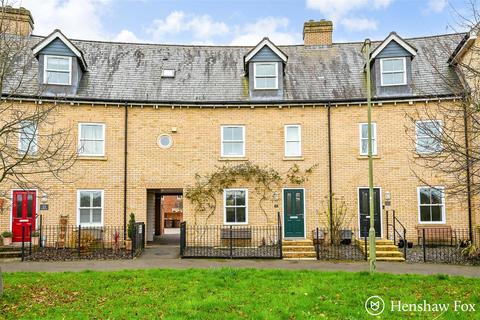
x=317, y=33
x=17, y=21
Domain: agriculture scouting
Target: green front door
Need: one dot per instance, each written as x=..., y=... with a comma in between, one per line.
x=293, y=213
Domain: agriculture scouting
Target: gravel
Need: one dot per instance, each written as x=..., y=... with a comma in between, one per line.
x=53, y=254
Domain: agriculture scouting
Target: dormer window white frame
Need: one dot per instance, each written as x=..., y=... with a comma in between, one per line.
x=50, y=70
x=402, y=71
x=261, y=78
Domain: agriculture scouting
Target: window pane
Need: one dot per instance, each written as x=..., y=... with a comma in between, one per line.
x=424, y=195
x=84, y=215
x=298, y=203
x=97, y=199
x=425, y=214
x=85, y=199
x=19, y=206
x=30, y=206
x=289, y=202
x=96, y=215
x=91, y=132
x=436, y=213
x=293, y=134
x=58, y=77
x=364, y=146
x=240, y=198
x=91, y=147
x=265, y=83
x=265, y=69
x=393, y=78
x=229, y=198
x=241, y=215
x=292, y=149
x=365, y=131
x=230, y=212
x=62, y=64
x=392, y=65
x=436, y=196
x=233, y=148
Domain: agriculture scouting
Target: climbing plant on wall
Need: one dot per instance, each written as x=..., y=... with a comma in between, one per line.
x=203, y=194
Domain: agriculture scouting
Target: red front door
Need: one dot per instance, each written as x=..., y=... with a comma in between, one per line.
x=24, y=210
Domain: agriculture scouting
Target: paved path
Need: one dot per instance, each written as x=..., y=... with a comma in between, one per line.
x=166, y=256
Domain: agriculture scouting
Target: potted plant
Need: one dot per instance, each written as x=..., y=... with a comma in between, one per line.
x=130, y=230
x=35, y=236
x=7, y=238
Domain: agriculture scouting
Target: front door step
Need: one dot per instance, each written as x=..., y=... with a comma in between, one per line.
x=386, y=250
x=298, y=250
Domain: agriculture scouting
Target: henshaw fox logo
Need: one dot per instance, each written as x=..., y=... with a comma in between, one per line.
x=376, y=306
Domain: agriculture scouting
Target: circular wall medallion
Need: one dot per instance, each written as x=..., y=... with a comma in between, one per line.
x=165, y=141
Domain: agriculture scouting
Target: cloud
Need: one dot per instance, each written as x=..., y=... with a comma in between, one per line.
x=127, y=36
x=202, y=27
x=337, y=9
x=436, y=6
x=275, y=28
x=359, y=24
x=77, y=19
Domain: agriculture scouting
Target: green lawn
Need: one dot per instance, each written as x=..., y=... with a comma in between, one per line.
x=225, y=294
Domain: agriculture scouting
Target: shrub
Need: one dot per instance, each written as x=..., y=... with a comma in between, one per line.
x=35, y=233
x=471, y=251
x=6, y=234
x=131, y=226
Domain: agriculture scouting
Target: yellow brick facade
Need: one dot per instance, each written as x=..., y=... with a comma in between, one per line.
x=196, y=149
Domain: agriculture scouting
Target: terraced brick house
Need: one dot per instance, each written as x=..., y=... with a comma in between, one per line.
x=149, y=117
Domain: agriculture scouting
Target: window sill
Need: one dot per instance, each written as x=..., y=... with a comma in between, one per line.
x=428, y=155
x=293, y=158
x=233, y=159
x=361, y=157
x=98, y=158
x=435, y=224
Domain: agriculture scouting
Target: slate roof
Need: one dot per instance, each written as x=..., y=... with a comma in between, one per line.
x=132, y=72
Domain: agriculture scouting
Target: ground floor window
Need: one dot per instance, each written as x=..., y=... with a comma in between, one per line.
x=90, y=207
x=431, y=204
x=235, y=206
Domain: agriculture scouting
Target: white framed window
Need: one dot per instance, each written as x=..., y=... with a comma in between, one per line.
x=293, y=140
x=363, y=129
x=393, y=71
x=57, y=70
x=91, y=139
x=90, y=207
x=431, y=205
x=265, y=76
x=235, y=206
x=428, y=135
x=233, y=141
x=28, y=138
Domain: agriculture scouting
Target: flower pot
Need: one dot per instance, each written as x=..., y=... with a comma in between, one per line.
x=35, y=241
x=7, y=241
x=128, y=245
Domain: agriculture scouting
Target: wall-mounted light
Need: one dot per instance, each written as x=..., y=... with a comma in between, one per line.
x=44, y=198
x=388, y=200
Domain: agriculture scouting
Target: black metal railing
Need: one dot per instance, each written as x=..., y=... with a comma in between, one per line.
x=396, y=230
x=343, y=244
x=230, y=241
x=71, y=242
x=445, y=245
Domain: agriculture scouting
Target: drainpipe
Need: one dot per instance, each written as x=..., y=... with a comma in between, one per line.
x=469, y=187
x=330, y=178
x=125, y=153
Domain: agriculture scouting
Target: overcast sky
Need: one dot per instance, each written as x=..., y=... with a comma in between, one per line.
x=242, y=22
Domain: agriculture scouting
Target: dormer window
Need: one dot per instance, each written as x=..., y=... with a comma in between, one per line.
x=266, y=76
x=393, y=71
x=58, y=70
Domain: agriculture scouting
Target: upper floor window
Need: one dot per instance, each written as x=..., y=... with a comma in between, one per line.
x=235, y=206
x=28, y=140
x=431, y=205
x=91, y=139
x=364, y=139
x=57, y=70
x=393, y=71
x=428, y=136
x=265, y=75
x=293, y=141
x=90, y=207
x=233, y=141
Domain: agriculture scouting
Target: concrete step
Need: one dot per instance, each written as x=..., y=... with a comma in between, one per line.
x=298, y=248
x=388, y=254
x=299, y=254
x=10, y=254
x=299, y=259
x=377, y=242
x=10, y=248
x=297, y=242
x=391, y=259
x=381, y=248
